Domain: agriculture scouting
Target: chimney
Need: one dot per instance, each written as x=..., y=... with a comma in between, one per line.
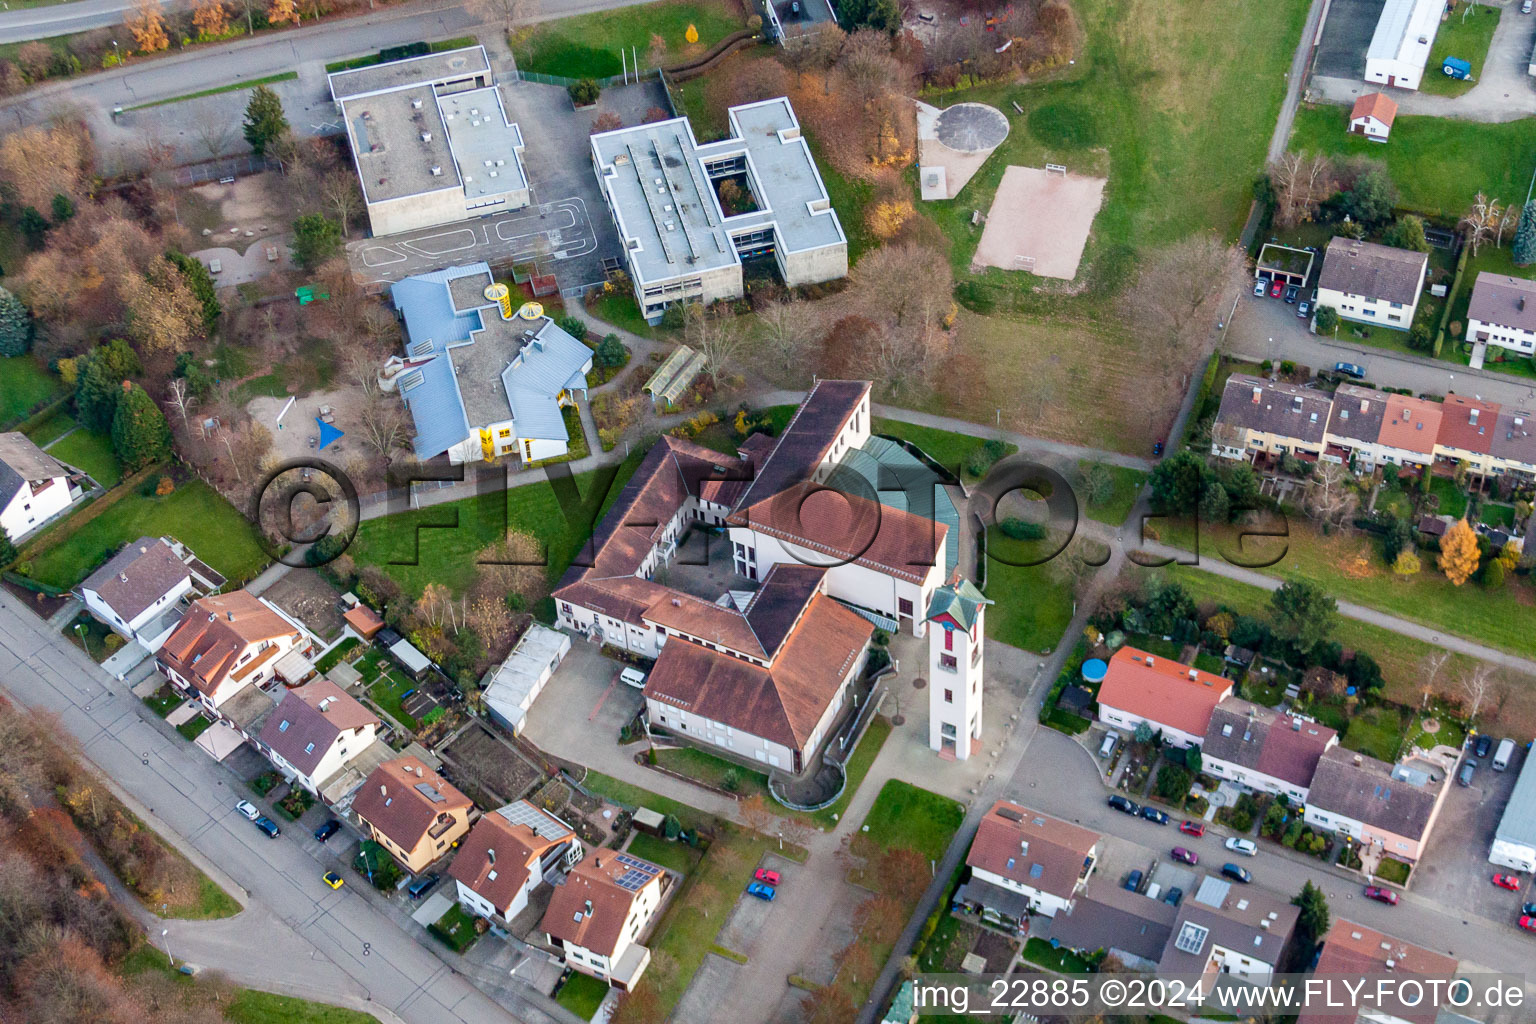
x=1194, y=674
x=230, y=616
x=490, y=855
x=426, y=136
x=1024, y=847
x=1520, y=303
x=1365, y=406
x=1151, y=661
x=588, y=908
x=1357, y=760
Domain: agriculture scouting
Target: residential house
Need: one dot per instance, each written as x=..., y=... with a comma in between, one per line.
x=480, y=381
x=361, y=619
x=1390, y=807
x=1409, y=429
x=412, y=812
x=1502, y=312
x=1126, y=925
x=1269, y=417
x=1370, y=283
x=599, y=914
x=1354, y=426
x=1467, y=429
x=1352, y=951
x=34, y=486
x=1514, y=840
x=1372, y=116
x=1172, y=698
x=224, y=644
x=315, y=731
x=1023, y=861
x=1266, y=750
x=507, y=855
x=138, y=592
x=1225, y=929
x=1400, y=45
x=510, y=689
x=1514, y=446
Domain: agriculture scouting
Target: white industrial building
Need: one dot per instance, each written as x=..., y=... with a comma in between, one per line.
x=517, y=682
x=1400, y=46
x=1514, y=841
x=662, y=187
x=431, y=140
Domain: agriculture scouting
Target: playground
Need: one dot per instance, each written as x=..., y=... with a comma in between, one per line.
x=954, y=143
x=1039, y=221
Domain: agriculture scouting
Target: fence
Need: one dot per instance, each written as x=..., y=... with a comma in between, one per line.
x=217, y=170
x=603, y=83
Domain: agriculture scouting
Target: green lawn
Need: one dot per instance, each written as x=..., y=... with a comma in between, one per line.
x=1039, y=951
x=194, y=514
x=947, y=448
x=1453, y=500
x=1467, y=36
x=1032, y=609
x=858, y=767
x=1392, y=870
x=582, y=994
x=680, y=857
x=1377, y=731
x=619, y=309
x=588, y=45
x=387, y=693
x=1137, y=107
x=86, y=630
x=1493, y=158
x=904, y=816
x=633, y=796
x=455, y=929
x=92, y=452
x=714, y=771
x=24, y=382
x=438, y=544
x=51, y=428
x=194, y=727
x=1115, y=508
x=164, y=700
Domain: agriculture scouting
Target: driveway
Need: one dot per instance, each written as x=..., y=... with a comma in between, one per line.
x=1455, y=870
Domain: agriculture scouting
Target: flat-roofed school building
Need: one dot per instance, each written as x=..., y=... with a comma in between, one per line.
x=431, y=140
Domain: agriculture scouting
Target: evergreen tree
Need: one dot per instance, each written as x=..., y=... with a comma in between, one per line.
x=265, y=121
x=34, y=226
x=609, y=352
x=1304, y=614
x=1408, y=233
x=8, y=552
x=140, y=435
x=1314, y=918
x=316, y=239
x=1178, y=483
x=1327, y=319
x=15, y=325
x=199, y=383
x=201, y=282
x=101, y=373
x=63, y=208
x=1523, y=248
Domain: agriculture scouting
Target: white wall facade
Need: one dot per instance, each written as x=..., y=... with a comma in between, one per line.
x=1365, y=309
x=1513, y=338
x=229, y=686
x=28, y=510
x=423, y=210
x=1251, y=777
x=599, y=965
x=131, y=628
x=1372, y=128
x=1040, y=901
x=343, y=748
x=1520, y=856
x=955, y=672
x=1120, y=719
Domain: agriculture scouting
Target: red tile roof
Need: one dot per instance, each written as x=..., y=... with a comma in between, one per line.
x=1411, y=424
x=1468, y=424
x=404, y=799
x=205, y=647
x=1378, y=105
x=497, y=857
x=1353, y=950
x=1031, y=848
x=1162, y=690
x=595, y=880
x=364, y=620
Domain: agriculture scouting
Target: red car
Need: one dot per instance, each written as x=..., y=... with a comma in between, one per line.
x=764, y=875
x=1277, y=289
x=1510, y=882
x=1193, y=828
x=1380, y=895
x=1185, y=856
x=1528, y=923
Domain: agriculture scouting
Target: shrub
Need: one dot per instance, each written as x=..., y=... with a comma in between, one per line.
x=575, y=326
x=1020, y=529
x=584, y=92
x=982, y=459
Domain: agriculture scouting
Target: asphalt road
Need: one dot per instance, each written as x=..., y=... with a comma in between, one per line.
x=19, y=25
x=296, y=935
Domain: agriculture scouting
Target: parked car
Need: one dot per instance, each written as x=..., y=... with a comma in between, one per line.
x=1153, y=814
x=423, y=885
x=1483, y=745
x=1157, y=448
x=1246, y=847
x=248, y=809
x=1528, y=922
x=761, y=891
x=1133, y=880
x=325, y=831
x=1525, y=8
x=331, y=879
x=1468, y=767
x=764, y=875
x=1185, y=856
x=1503, y=754
x=1510, y=882
x=1121, y=803
x=268, y=826
x=1304, y=310
x=1528, y=908
x=1291, y=293
x=1381, y=895
x=1236, y=873
x=1193, y=828
x=1276, y=289
x=1260, y=286
x=1354, y=370
x=1174, y=896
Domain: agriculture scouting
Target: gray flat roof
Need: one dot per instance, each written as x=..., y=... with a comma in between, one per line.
x=428, y=69
x=668, y=213
x=393, y=158
x=1518, y=825
x=1402, y=24
x=485, y=144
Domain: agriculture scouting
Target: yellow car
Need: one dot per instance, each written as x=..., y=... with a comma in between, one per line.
x=331, y=879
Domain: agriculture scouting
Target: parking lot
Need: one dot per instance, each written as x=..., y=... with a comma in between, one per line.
x=1455, y=870
x=1346, y=36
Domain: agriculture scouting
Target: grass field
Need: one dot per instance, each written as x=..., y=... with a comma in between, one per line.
x=582, y=994
x=387, y=693
x=23, y=383
x=588, y=45
x=194, y=514
x=1467, y=36
x=1376, y=731
x=455, y=929
x=1139, y=104
x=947, y=448
x=680, y=857
x=906, y=817
x=1493, y=158
x=51, y=428
x=439, y=543
x=1115, y=508
x=1034, y=622
x=92, y=452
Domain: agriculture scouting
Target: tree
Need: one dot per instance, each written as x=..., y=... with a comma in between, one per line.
x=1480, y=220
x=608, y=121
x=1193, y=759
x=1142, y=733
x=512, y=565
x=1523, y=249
x=15, y=325
x=265, y=122
x=788, y=329
x=610, y=353
x=1300, y=184
x=1509, y=556
x=1493, y=574
x=715, y=335
x=584, y=92
x=1178, y=483
x=1459, y=555
x=1477, y=685
x=1173, y=783
x=1214, y=506
x=62, y=208
x=200, y=281
x=1314, y=917
x=283, y=12
x=756, y=814
x=42, y=161
x=1370, y=200
x=210, y=18
x=180, y=398
x=7, y=549
x=316, y=238
x=1327, y=319
x=140, y=435
x=1098, y=484
x=1433, y=664
x=34, y=226
x=903, y=295
x=147, y=26
x=880, y=15
x=1304, y=614
x=509, y=12
x=1331, y=496
x=1407, y=233
x=382, y=426
x=1406, y=563
x=339, y=189
x=99, y=383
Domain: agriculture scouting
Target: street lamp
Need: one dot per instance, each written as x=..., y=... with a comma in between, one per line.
x=84, y=640
x=164, y=932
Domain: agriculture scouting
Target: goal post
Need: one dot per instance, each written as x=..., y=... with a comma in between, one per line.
x=1024, y=263
x=1060, y=169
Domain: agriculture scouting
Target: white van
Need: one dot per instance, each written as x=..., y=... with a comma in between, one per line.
x=1154, y=891
x=1503, y=754
x=1108, y=746
x=633, y=677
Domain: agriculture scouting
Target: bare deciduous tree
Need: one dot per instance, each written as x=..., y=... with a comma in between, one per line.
x=1433, y=665
x=179, y=399
x=1178, y=295
x=1477, y=685
x=339, y=188
x=509, y=12
x=216, y=134
x=714, y=334
x=1301, y=182
x=382, y=426
x=789, y=327
x=1481, y=220
x=1330, y=496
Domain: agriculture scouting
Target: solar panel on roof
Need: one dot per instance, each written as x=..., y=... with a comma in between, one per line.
x=638, y=873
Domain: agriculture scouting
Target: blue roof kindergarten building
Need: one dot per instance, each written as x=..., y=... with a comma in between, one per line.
x=681, y=242
x=478, y=383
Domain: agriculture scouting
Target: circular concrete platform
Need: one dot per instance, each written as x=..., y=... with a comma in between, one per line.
x=972, y=127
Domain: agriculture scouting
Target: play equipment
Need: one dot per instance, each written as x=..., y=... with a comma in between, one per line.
x=530, y=310
x=502, y=296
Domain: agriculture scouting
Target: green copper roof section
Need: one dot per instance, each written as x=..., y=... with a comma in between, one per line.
x=962, y=602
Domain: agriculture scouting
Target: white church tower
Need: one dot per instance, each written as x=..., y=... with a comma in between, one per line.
x=957, y=613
